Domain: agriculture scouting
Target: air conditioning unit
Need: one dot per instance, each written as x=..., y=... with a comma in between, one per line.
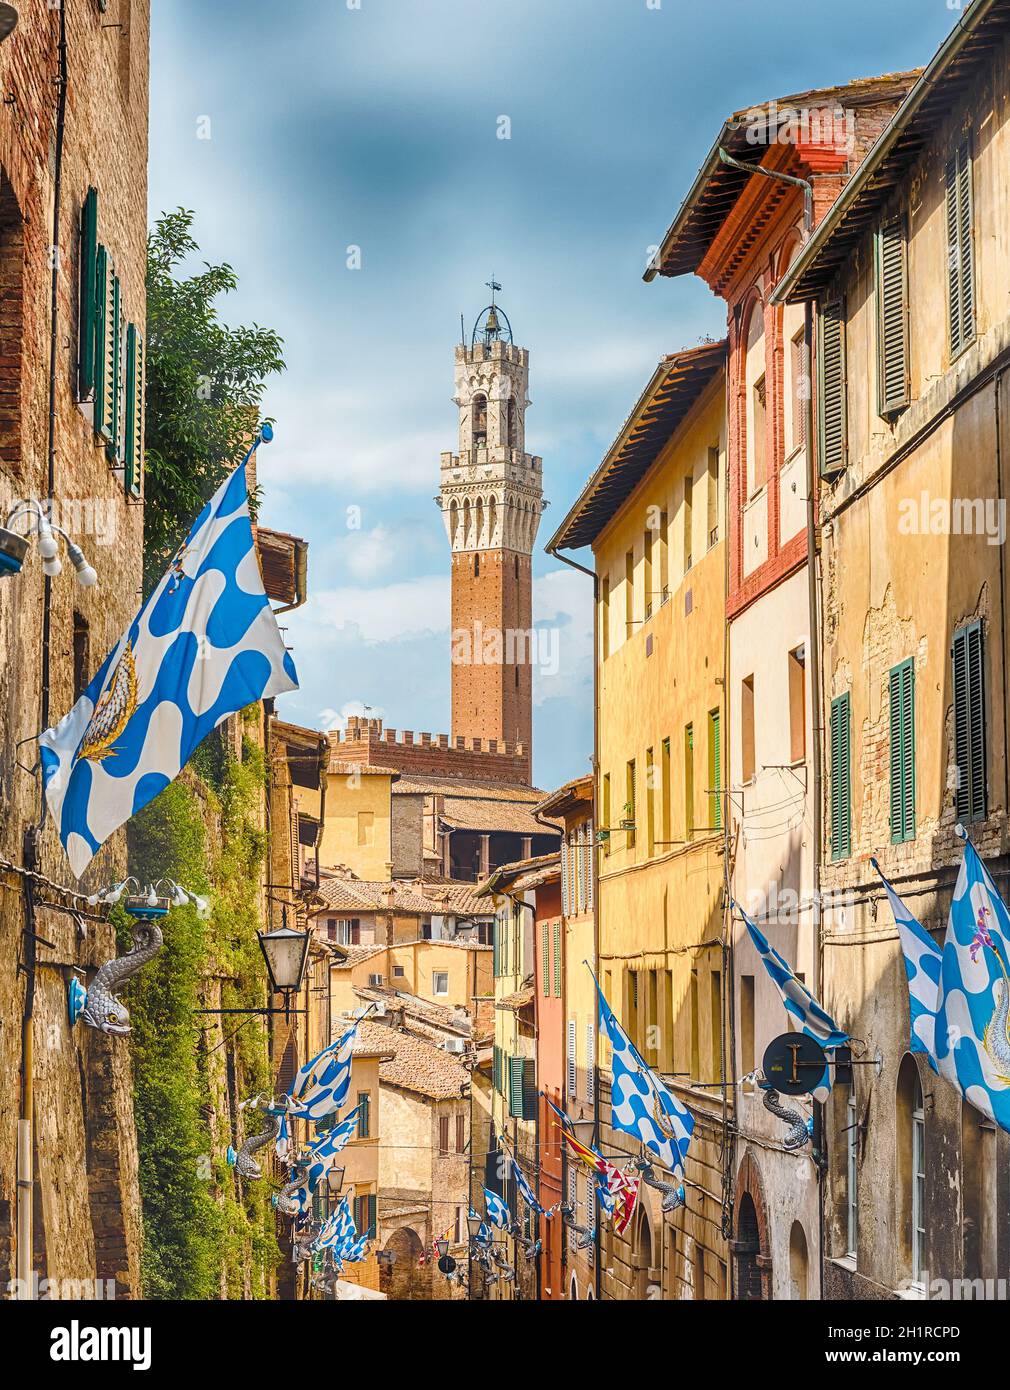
x=379, y=1009
x=455, y=1044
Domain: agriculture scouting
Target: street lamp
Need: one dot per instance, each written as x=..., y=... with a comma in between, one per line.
x=335, y=1181
x=285, y=951
x=441, y=1248
x=473, y=1225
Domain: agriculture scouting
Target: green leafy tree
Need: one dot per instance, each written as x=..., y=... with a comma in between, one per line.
x=205, y=384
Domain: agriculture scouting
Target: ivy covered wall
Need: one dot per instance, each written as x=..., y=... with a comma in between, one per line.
x=206, y=1235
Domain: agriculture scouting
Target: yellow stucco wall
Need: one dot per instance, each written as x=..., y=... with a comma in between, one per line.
x=357, y=825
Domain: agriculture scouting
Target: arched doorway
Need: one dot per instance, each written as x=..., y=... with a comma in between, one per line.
x=643, y=1258
x=798, y=1261
x=401, y=1275
x=751, y=1253
x=573, y=1292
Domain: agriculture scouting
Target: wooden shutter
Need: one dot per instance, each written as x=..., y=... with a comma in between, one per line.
x=460, y=1133
x=112, y=415
x=572, y=1073
x=841, y=778
x=969, y=723
x=591, y=840
x=590, y=1060
x=902, y=692
x=545, y=957
x=103, y=281
x=715, y=733
x=87, y=316
x=443, y=1134
x=516, y=1076
x=133, y=453
x=496, y=949
x=557, y=960
x=831, y=388
x=529, y=1089
x=892, y=318
x=960, y=267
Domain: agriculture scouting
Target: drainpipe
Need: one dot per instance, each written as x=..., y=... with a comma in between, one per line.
x=574, y=564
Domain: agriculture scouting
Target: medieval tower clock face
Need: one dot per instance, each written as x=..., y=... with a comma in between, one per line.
x=491, y=498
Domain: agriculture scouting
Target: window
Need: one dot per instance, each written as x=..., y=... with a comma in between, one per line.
x=522, y=1088
x=440, y=982
x=88, y=309
x=665, y=794
x=851, y=1179
x=133, y=445
x=797, y=705
x=799, y=381
x=606, y=813
x=570, y=1061
x=841, y=778
x=969, y=724
x=629, y=805
x=647, y=553
x=747, y=752
x=443, y=1134
x=715, y=769
x=831, y=388
x=629, y=592
x=545, y=958
x=512, y=433
x=364, y=1215
x=892, y=318
x=633, y=1016
x=345, y=931
x=688, y=521
x=759, y=423
x=461, y=1133
x=650, y=803
x=902, y=691
x=712, y=495
x=960, y=256
x=715, y=986
x=918, y=1186
x=364, y=1114
x=82, y=655
x=695, y=1029
x=557, y=960
x=746, y=1024
x=689, y=782
x=590, y=1061
x=399, y=971
x=605, y=617
x=664, y=557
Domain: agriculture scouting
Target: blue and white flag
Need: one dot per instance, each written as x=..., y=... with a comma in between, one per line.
x=354, y=1251
x=321, y=1086
x=337, y=1230
x=972, y=1037
x=323, y=1153
x=282, y=1144
x=922, y=968
x=525, y=1191
x=800, y=1004
x=640, y=1103
x=204, y=645
x=497, y=1212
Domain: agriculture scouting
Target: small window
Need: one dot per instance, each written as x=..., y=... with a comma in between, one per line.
x=688, y=522
x=689, y=782
x=841, y=778
x=478, y=409
x=960, y=250
x=82, y=655
x=747, y=751
x=759, y=424
x=440, y=982
x=969, y=724
x=746, y=1024
x=714, y=769
x=892, y=319
x=364, y=1114
x=797, y=705
x=832, y=388
x=443, y=1134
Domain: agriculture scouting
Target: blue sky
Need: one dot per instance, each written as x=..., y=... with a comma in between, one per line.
x=376, y=127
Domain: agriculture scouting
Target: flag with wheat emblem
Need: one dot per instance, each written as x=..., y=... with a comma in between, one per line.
x=204, y=645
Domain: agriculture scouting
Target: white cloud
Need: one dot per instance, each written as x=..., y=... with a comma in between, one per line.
x=388, y=613
x=563, y=600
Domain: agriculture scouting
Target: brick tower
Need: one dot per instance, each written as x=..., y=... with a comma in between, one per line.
x=491, y=497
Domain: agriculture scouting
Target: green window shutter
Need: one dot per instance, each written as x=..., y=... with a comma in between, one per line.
x=516, y=1079
x=557, y=960
x=103, y=277
x=902, y=693
x=496, y=949
x=114, y=342
x=831, y=387
x=892, y=318
x=87, y=305
x=969, y=723
x=841, y=778
x=133, y=454
x=960, y=258
x=715, y=733
x=529, y=1084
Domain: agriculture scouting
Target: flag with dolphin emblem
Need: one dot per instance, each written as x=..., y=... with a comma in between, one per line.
x=640, y=1103
x=204, y=645
x=323, y=1153
x=322, y=1084
x=799, y=1003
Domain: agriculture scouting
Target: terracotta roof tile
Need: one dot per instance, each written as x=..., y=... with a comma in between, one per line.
x=416, y=1065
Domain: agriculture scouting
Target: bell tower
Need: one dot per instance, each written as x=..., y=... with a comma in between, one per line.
x=491, y=497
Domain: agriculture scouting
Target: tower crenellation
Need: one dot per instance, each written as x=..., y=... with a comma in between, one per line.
x=491, y=499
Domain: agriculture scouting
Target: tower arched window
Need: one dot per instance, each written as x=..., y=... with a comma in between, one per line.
x=478, y=410
x=512, y=432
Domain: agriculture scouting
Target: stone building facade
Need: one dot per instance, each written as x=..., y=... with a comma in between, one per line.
x=86, y=1204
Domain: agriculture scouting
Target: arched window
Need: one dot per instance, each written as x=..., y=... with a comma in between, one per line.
x=756, y=401
x=748, y=1247
x=573, y=1292
x=911, y=1169
x=796, y=372
x=512, y=424
x=643, y=1258
x=798, y=1261
x=478, y=414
